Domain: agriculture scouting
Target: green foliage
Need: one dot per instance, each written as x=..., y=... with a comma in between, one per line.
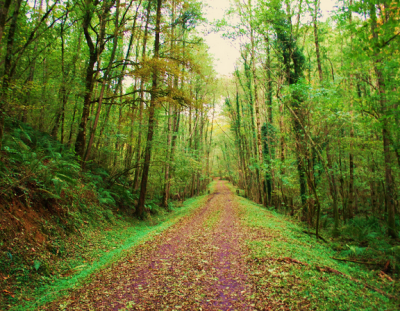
x=292, y=56
x=37, y=264
x=295, y=282
x=106, y=197
x=364, y=230
x=35, y=156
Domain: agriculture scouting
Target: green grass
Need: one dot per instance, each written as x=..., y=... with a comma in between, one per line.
x=300, y=285
x=100, y=249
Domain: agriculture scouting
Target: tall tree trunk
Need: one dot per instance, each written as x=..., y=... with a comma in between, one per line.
x=4, y=6
x=257, y=107
x=331, y=175
x=71, y=131
x=350, y=201
x=103, y=84
x=269, y=134
x=168, y=159
x=315, y=18
x=8, y=61
x=63, y=91
x=89, y=83
x=95, y=51
x=153, y=102
x=173, y=144
x=118, y=85
x=389, y=185
x=210, y=143
x=169, y=127
x=292, y=55
x=29, y=82
x=282, y=148
x=333, y=190
x=139, y=141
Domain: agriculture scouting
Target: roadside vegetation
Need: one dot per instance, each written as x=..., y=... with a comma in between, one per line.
x=304, y=274
x=312, y=121
x=48, y=204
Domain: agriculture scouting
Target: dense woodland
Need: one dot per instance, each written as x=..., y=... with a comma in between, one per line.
x=126, y=85
x=112, y=114
x=313, y=110
x=310, y=116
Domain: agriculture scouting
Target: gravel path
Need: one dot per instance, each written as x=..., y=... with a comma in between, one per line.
x=198, y=264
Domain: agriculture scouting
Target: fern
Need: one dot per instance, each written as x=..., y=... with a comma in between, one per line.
x=105, y=197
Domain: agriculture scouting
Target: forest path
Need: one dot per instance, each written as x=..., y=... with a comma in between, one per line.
x=231, y=254
x=198, y=264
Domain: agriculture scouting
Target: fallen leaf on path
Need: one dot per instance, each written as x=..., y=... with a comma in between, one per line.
x=8, y=293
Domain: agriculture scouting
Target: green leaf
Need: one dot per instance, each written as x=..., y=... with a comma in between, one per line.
x=36, y=264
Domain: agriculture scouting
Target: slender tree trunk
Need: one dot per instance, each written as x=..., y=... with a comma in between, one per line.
x=315, y=18
x=29, y=83
x=168, y=159
x=373, y=187
x=71, y=131
x=139, y=141
x=282, y=148
x=94, y=55
x=103, y=84
x=173, y=144
x=389, y=193
x=63, y=91
x=210, y=143
x=270, y=143
x=298, y=17
x=169, y=127
x=121, y=76
x=89, y=83
x=350, y=202
x=256, y=106
x=331, y=175
x=8, y=59
x=290, y=56
x=153, y=102
x=333, y=190
x=139, y=147
x=389, y=185
x=4, y=6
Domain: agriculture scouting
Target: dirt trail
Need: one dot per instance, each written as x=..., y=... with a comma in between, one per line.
x=198, y=264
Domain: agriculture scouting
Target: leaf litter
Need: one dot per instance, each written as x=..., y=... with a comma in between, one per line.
x=226, y=255
x=198, y=264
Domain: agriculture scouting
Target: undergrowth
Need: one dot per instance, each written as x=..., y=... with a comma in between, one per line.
x=47, y=203
x=361, y=239
x=292, y=267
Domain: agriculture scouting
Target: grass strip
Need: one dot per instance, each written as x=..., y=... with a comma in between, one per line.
x=292, y=268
